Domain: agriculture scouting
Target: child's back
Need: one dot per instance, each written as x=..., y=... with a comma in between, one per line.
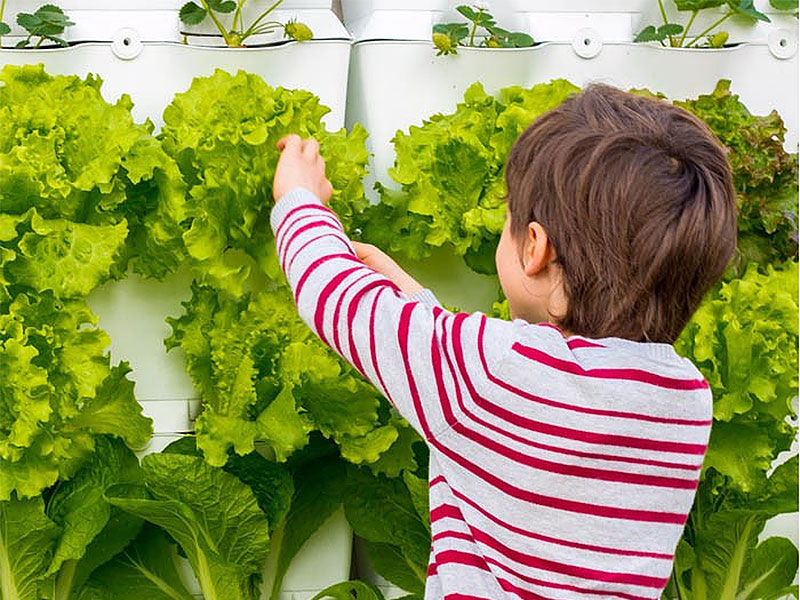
x=564, y=454
x=568, y=467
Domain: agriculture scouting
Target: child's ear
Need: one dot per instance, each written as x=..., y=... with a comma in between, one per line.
x=538, y=251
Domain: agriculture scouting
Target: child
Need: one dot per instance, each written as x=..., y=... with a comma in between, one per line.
x=566, y=445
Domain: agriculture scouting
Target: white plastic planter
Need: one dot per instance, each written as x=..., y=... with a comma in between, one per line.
x=621, y=20
x=765, y=75
x=133, y=312
x=413, y=19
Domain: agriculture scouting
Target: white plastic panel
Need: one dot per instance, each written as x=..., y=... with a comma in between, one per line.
x=621, y=20
x=133, y=313
x=323, y=560
x=171, y=417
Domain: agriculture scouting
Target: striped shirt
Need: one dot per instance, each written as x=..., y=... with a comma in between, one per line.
x=559, y=467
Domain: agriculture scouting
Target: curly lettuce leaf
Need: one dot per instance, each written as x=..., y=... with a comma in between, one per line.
x=58, y=392
x=222, y=132
x=71, y=259
x=212, y=515
x=264, y=376
x=76, y=159
x=744, y=338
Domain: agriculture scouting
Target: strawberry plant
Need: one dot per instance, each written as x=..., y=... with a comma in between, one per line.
x=447, y=37
x=235, y=36
x=677, y=35
x=48, y=22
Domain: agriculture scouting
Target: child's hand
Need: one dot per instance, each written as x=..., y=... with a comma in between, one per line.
x=302, y=166
x=374, y=258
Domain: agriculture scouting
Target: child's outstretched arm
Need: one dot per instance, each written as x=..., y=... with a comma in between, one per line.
x=395, y=335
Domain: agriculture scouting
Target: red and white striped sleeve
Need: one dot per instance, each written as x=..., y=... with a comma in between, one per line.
x=394, y=340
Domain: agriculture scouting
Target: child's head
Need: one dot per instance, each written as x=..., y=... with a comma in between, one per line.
x=621, y=215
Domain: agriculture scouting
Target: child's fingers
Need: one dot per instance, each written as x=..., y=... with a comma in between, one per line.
x=311, y=148
x=327, y=189
x=291, y=141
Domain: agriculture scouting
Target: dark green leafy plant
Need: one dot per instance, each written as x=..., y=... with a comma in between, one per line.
x=192, y=13
x=47, y=23
x=351, y=590
x=675, y=35
x=392, y=517
x=448, y=36
x=50, y=544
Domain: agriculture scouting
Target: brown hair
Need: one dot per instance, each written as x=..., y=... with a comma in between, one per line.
x=637, y=199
